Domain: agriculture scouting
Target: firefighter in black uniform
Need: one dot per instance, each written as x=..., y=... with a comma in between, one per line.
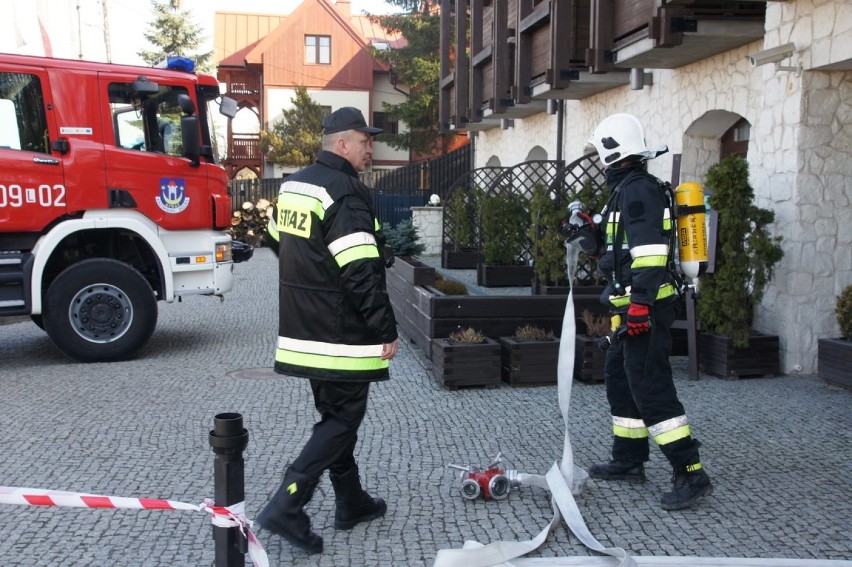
x=336, y=324
x=641, y=290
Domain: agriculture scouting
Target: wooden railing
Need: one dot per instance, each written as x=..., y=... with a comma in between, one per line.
x=244, y=83
x=244, y=147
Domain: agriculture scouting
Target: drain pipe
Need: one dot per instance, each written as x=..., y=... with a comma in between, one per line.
x=560, y=125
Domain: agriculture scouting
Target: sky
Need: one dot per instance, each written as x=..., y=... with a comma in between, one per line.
x=75, y=28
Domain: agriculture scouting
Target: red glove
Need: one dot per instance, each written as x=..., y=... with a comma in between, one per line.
x=638, y=319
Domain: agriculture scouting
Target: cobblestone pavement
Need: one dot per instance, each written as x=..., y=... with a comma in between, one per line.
x=778, y=450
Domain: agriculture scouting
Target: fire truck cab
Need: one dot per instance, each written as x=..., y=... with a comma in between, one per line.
x=110, y=198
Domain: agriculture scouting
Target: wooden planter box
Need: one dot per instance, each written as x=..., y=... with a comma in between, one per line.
x=834, y=360
x=458, y=365
x=460, y=259
x=717, y=356
x=413, y=271
x=529, y=362
x=488, y=275
x=544, y=289
x=424, y=313
x=588, y=360
x=562, y=289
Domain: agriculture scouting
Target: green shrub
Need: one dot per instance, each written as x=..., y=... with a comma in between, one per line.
x=504, y=234
x=547, y=243
x=460, y=217
x=450, y=287
x=404, y=239
x=746, y=254
x=844, y=312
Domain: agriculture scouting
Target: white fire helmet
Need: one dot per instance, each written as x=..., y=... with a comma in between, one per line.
x=620, y=136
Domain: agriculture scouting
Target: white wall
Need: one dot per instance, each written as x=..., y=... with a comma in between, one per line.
x=383, y=92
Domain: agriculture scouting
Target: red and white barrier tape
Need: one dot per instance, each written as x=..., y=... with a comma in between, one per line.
x=221, y=516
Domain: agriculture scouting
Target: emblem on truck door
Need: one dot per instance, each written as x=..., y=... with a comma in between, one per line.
x=172, y=198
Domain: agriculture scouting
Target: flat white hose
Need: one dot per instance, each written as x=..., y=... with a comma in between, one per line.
x=562, y=480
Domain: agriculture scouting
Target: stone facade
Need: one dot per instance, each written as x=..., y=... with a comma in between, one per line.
x=429, y=224
x=799, y=152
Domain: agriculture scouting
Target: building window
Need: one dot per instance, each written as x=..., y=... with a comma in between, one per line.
x=386, y=122
x=735, y=140
x=318, y=50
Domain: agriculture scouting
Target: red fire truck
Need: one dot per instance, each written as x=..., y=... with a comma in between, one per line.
x=110, y=198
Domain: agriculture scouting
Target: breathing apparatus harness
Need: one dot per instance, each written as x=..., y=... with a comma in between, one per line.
x=613, y=203
x=683, y=214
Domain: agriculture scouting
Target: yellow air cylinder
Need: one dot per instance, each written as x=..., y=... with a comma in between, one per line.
x=691, y=229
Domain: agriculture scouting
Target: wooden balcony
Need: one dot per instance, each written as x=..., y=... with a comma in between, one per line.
x=505, y=59
x=244, y=148
x=640, y=34
x=553, y=38
x=242, y=83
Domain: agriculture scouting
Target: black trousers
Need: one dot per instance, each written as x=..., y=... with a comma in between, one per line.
x=639, y=385
x=342, y=406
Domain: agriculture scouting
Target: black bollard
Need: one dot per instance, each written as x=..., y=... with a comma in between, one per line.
x=228, y=440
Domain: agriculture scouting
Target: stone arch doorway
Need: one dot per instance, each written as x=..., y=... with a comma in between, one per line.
x=244, y=143
x=709, y=139
x=246, y=173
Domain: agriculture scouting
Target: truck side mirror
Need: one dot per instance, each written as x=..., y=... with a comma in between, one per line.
x=191, y=138
x=228, y=107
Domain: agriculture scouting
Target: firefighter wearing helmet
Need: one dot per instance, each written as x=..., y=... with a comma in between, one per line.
x=641, y=292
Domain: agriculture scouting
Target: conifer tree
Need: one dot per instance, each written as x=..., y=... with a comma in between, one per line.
x=404, y=239
x=746, y=254
x=417, y=66
x=296, y=137
x=173, y=33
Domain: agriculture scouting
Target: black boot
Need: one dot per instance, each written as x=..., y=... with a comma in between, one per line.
x=353, y=504
x=619, y=470
x=284, y=514
x=689, y=484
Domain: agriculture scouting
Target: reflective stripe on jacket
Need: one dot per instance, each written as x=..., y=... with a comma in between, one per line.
x=644, y=211
x=334, y=312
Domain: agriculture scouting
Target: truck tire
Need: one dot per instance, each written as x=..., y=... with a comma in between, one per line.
x=100, y=310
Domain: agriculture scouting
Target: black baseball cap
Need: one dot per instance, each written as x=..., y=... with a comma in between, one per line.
x=346, y=118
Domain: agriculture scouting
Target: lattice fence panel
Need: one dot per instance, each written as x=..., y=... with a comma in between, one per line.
x=461, y=208
x=582, y=179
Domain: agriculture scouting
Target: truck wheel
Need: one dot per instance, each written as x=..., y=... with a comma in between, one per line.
x=100, y=310
x=38, y=320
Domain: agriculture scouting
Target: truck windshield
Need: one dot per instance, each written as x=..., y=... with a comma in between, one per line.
x=149, y=124
x=217, y=126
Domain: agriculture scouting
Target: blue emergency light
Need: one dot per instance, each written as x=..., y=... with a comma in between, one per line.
x=176, y=63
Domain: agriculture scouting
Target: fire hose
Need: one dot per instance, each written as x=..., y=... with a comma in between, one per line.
x=563, y=480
